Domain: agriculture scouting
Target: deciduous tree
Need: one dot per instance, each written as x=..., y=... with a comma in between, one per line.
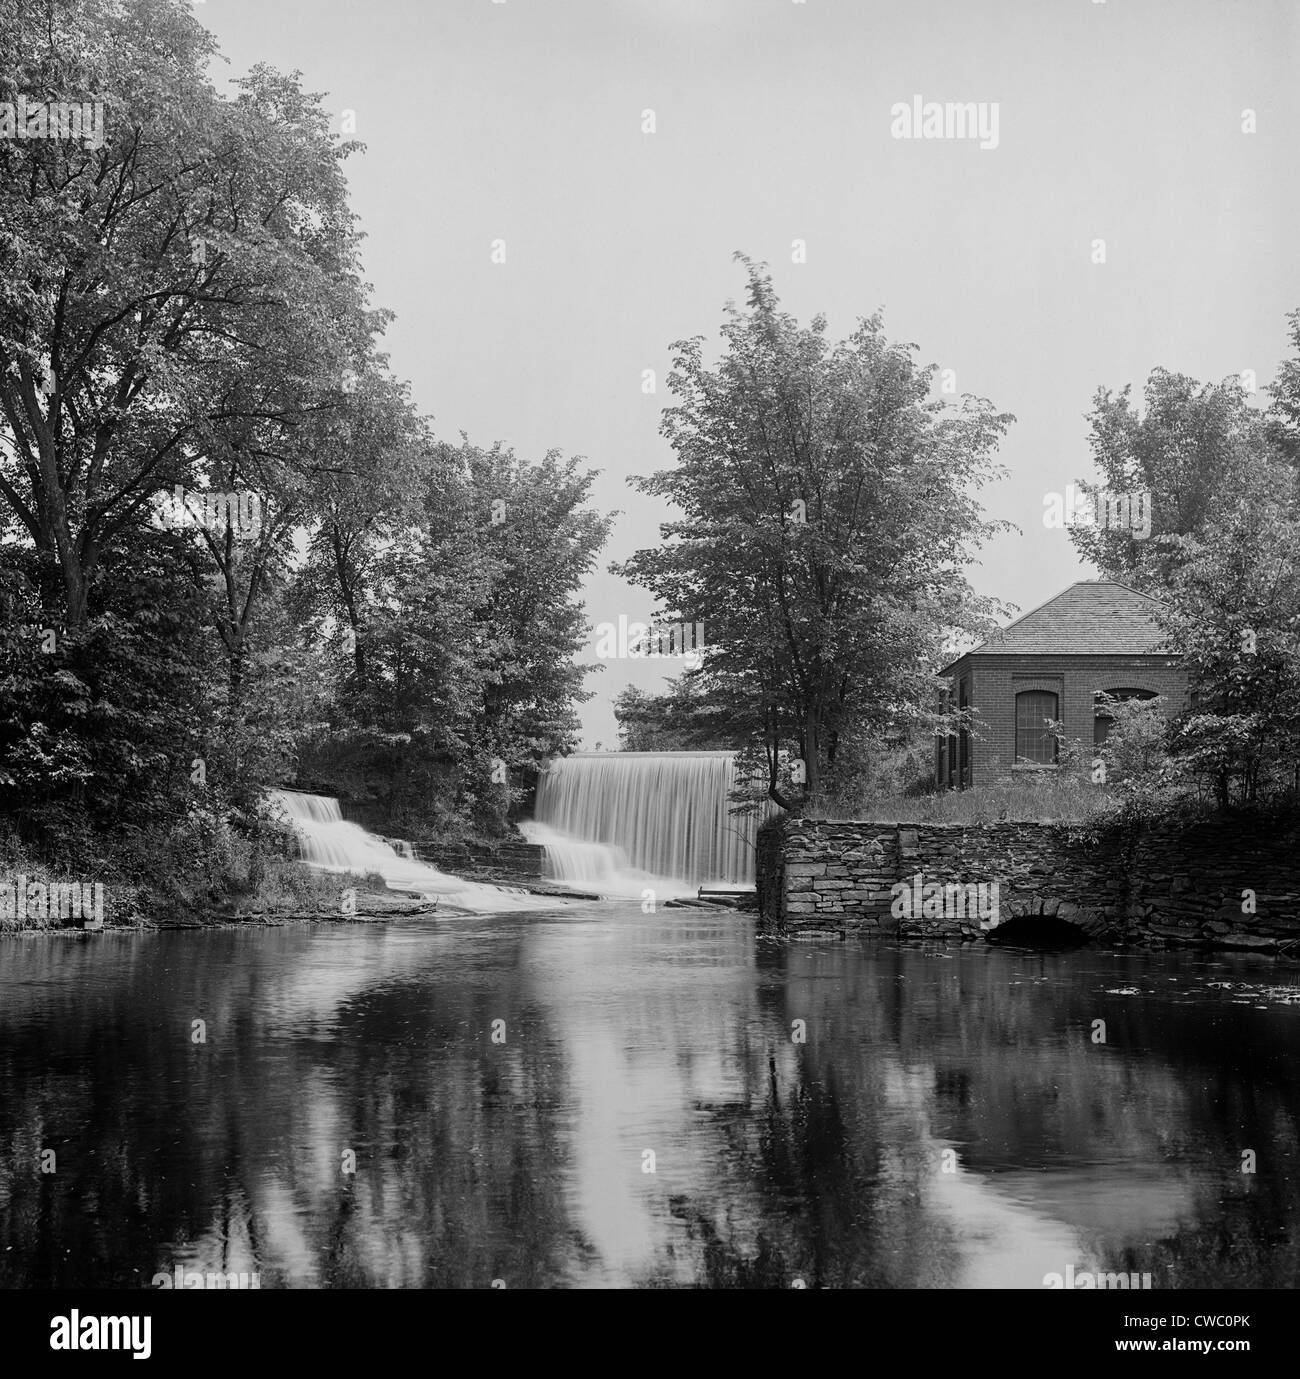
x=827, y=513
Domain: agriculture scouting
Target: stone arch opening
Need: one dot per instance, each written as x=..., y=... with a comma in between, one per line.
x=1038, y=931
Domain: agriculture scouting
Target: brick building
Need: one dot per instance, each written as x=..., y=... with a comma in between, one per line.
x=1096, y=636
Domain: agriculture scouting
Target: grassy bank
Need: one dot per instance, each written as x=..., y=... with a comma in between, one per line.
x=1023, y=797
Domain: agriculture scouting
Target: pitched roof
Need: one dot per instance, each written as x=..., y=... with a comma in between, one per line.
x=1095, y=617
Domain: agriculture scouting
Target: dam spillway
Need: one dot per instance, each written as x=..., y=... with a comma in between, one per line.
x=659, y=814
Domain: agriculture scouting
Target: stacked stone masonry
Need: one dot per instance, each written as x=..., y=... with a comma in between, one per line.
x=1220, y=883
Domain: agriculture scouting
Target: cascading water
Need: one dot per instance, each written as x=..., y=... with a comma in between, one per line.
x=590, y=866
x=615, y=821
x=330, y=842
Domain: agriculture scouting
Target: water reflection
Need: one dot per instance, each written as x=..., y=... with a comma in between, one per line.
x=950, y=1120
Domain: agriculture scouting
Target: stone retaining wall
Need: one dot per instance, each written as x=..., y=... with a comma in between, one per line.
x=1190, y=884
x=1166, y=884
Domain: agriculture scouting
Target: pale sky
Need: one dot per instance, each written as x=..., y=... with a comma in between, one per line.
x=522, y=121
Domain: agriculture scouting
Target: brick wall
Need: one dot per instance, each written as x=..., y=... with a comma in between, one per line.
x=1178, y=885
x=996, y=680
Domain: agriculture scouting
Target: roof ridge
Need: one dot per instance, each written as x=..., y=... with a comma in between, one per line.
x=1002, y=632
x=1128, y=588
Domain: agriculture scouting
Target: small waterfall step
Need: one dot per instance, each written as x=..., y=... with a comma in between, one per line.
x=331, y=843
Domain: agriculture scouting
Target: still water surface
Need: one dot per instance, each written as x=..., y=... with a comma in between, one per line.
x=634, y=1043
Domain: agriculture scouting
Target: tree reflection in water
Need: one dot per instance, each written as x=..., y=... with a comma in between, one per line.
x=775, y=1162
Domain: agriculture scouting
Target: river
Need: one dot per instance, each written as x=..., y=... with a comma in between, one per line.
x=645, y=1116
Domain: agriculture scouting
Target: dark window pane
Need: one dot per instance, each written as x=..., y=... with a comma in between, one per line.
x=1034, y=740
x=1123, y=694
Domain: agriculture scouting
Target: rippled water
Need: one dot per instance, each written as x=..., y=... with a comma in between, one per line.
x=634, y=1042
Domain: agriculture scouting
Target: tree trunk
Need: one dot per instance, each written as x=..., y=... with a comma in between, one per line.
x=812, y=755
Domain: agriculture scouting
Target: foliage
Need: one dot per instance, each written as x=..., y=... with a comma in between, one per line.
x=682, y=718
x=171, y=303
x=1284, y=398
x=1222, y=558
x=181, y=306
x=452, y=635
x=1234, y=613
x=827, y=513
x=1135, y=756
x=1192, y=444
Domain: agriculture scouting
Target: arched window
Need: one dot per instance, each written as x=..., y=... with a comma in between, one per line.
x=1035, y=741
x=1102, y=721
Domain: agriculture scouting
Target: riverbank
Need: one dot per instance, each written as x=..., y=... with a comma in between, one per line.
x=288, y=893
x=310, y=898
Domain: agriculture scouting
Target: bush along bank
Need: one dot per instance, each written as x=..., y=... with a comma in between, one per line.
x=205, y=873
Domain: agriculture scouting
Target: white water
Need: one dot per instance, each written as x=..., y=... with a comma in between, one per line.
x=330, y=842
x=597, y=867
x=618, y=822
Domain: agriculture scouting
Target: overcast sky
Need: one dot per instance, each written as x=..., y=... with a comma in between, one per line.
x=522, y=121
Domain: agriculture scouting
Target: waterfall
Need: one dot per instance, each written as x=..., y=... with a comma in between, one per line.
x=330, y=842
x=593, y=866
x=643, y=815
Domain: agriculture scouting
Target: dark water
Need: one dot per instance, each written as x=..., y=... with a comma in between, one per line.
x=629, y=1035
